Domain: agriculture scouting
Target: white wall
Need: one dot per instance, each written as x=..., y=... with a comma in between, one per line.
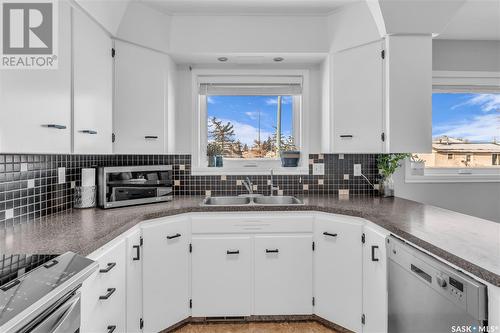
x=145, y=26
x=107, y=13
x=248, y=34
x=476, y=199
x=466, y=55
x=185, y=114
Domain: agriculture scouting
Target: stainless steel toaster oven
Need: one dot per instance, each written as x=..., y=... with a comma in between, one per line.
x=134, y=185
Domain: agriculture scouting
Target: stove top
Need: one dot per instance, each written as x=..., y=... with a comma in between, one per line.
x=27, y=279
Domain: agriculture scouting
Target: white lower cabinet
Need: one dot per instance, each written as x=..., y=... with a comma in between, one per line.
x=283, y=274
x=222, y=276
x=165, y=272
x=375, y=295
x=338, y=270
x=104, y=293
x=134, y=281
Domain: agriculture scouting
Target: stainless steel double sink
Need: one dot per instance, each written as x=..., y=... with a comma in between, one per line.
x=252, y=201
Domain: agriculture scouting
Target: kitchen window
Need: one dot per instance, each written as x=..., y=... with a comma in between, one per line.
x=247, y=120
x=465, y=131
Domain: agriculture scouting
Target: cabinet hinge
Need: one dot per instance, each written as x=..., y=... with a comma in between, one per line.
x=314, y=246
x=363, y=319
x=190, y=247
x=382, y=136
x=141, y=323
x=141, y=241
x=363, y=238
x=314, y=301
x=382, y=54
x=113, y=137
x=190, y=303
x=113, y=52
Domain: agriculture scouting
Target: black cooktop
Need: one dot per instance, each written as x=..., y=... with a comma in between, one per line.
x=25, y=279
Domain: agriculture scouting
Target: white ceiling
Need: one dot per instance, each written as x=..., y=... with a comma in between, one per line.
x=247, y=7
x=297, y=59
x=476, y=20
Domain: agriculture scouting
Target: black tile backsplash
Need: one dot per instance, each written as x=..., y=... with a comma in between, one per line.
x=29, y=186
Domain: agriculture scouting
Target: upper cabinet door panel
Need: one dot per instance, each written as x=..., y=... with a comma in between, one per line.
x=140, y=120
x=358, y=99
x=30, y=100
x=93, y=87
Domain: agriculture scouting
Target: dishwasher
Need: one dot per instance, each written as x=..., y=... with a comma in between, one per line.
x=428, y=296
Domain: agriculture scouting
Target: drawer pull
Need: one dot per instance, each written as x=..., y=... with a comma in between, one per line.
x=346, y=136
x=373, y=252
x=88, y=132
x=329, y=234
x=111, y=328
x=272, y=251
x=108, y=295
x=56, y=126
x=151, y=137
x=233, y=252
x=107, y=269
x=174, y=236
x=137, y=253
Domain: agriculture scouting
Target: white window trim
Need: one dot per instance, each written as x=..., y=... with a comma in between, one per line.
x=459, y=81
x=257, y=166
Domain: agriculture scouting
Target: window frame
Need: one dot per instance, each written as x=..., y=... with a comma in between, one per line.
x=459, y=82
x=248, y=166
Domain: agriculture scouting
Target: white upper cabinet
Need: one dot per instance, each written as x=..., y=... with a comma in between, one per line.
x=93, y=87
x=382, y=93
x=35, y=105
x=338, y=271
x=140, y=111
x=358, y=99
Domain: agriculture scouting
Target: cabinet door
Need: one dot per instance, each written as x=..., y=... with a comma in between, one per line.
x=92, y=84
x=358, y=99
x=165, y=273
x=31, y=100
x=140, y=100
x=375, y=280
x=222, y=276
x=134, y=281
x=283, y=275
x=104, y=293
x=338, y=271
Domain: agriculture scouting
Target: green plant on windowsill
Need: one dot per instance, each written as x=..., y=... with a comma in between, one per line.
x=214, y=150
x=387, y=165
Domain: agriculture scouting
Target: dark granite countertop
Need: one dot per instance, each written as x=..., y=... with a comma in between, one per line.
x=470, y=243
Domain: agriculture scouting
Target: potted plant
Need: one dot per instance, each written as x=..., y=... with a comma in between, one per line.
x=214, y=154
x=387, y=165
x=417, y=165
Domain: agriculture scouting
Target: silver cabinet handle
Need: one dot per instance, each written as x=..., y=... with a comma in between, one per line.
x=88, y=131
x=151, y=137
x=110, y=292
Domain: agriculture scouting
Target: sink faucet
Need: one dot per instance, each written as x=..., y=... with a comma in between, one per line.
x=248, y=185
x=271, y=185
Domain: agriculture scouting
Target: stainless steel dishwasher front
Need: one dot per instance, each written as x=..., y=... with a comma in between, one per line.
x=427, y=296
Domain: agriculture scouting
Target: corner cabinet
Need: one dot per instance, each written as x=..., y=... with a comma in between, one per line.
x=382, y=96
x=165, y=272
x=140, y=110
x=92, y=86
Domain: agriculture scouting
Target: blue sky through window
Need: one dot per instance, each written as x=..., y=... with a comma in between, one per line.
x=471, y=116
x=243, y=112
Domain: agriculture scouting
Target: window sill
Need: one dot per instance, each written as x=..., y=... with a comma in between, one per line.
x=452, y=176
x=205, y=171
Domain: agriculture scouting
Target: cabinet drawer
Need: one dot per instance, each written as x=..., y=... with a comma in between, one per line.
x=232, y=224
x=103, y=294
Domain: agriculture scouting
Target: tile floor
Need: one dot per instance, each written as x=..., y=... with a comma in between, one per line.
x=299, y=327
